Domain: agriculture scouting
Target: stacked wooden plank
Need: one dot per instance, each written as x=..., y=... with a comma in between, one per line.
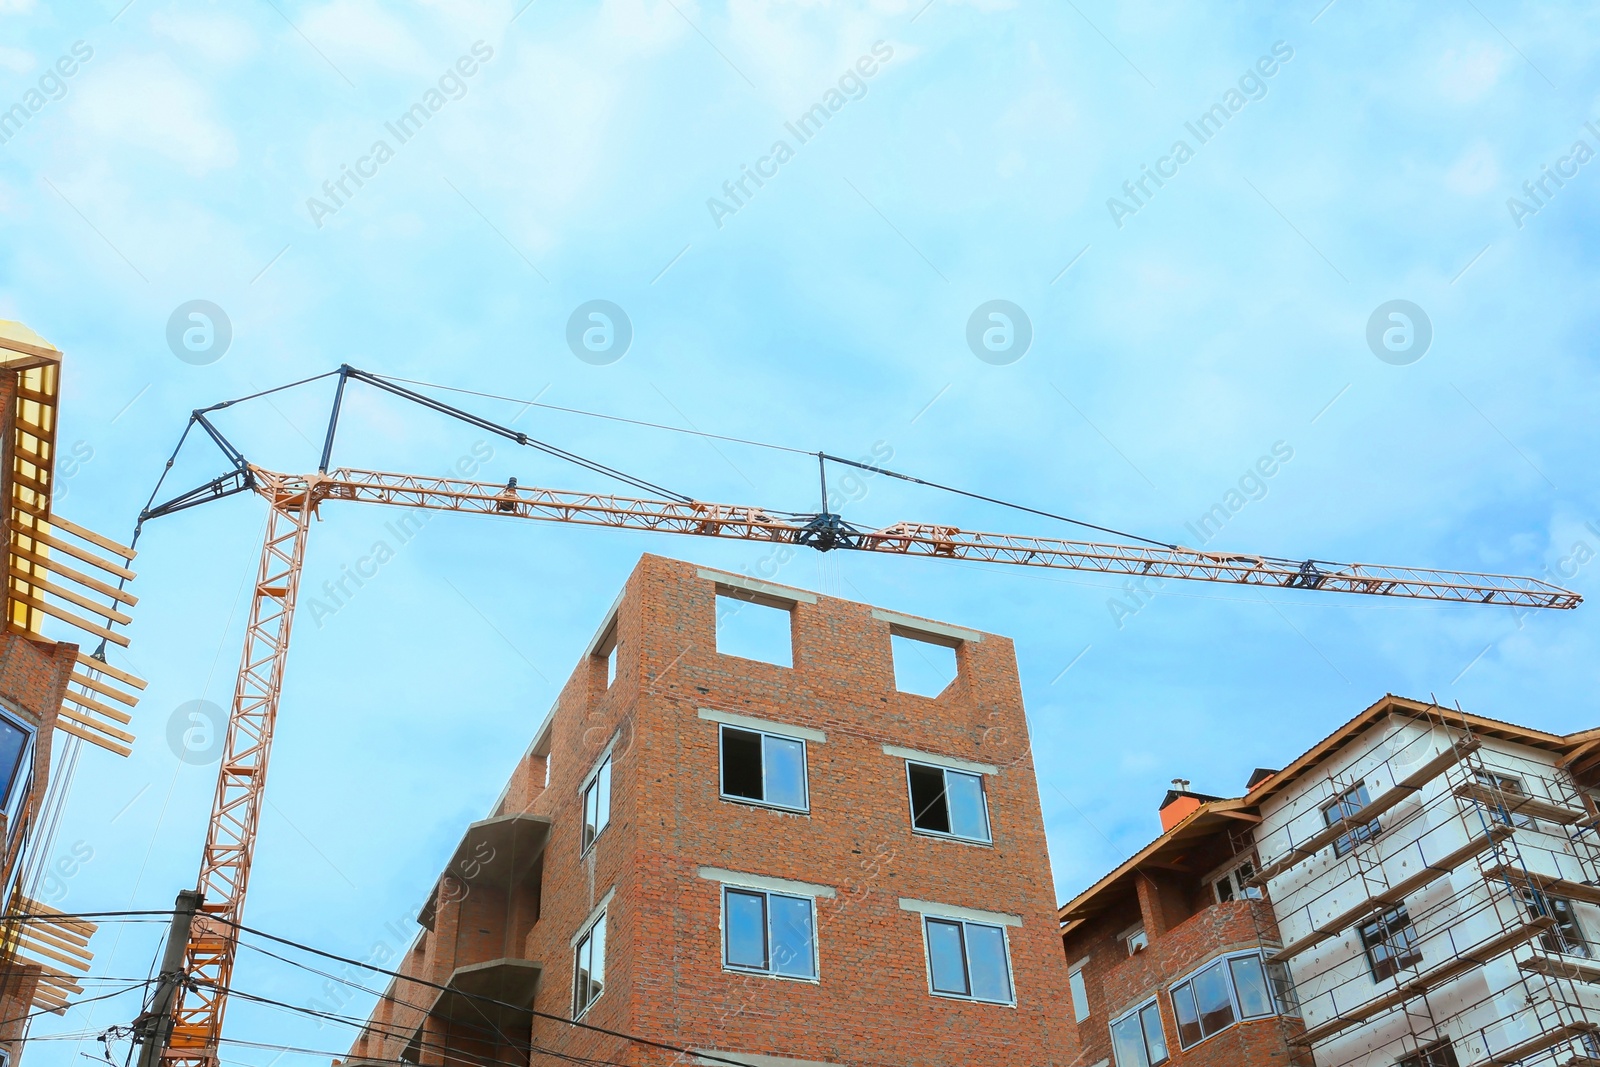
x=58, y=945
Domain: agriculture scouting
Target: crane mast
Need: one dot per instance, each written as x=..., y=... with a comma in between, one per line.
x=241, y=780
x=294, y=499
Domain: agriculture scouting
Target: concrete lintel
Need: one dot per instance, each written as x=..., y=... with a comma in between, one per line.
x=947, y=911
x=756, y=585
x=728, y=718
x=954, y=763
x=923, y=628
x=761, y=881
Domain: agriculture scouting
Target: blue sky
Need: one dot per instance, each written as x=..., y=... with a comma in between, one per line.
x=1172, y=347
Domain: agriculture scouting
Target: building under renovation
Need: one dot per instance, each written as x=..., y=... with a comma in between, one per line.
x=1422, y=889
x=55, y=695
x=780, y=863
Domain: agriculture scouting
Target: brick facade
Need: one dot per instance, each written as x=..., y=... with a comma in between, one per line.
x=669, y=826
x=1187, y=927
x=34, y=674
x=33, y=681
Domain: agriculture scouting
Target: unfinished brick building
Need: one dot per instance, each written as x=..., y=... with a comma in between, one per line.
x=47, y=686
x=1169, y=955
x=775, y=863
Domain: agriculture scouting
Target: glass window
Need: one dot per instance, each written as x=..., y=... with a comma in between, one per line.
x=1512, y=788
x=1187, y=1015
x=1080, y=995
x=14, y=739
x=589, y=969
x=1250, y=986
x=1439, y=1054
x=1566, y=935
x=1345, y=806
x=947, y=958
x=1137, y=1038
x=745, y=915
x=763, y=767
x=1391, y=943
x=597, y=804
x=1283, y=992
x=768, y=932
x=1136, y=940
x=949, y=802
x=968, y=959
x=1214, y=998
x=1227, y=990
x=1231, y=886
x=986, y=960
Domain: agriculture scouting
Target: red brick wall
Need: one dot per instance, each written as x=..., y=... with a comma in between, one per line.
x=1117, y=982
x=664, y=973
x=34, y=674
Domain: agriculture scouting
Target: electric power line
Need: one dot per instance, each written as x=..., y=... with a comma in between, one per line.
x=577, y=1023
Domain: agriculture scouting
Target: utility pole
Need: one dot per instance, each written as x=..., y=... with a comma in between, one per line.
x=154, y=1027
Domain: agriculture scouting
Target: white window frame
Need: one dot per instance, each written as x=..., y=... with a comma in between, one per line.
x=1358, y=833
x=1512, y=785
x=586, y=939
x=1278, y=1008
x=1229, y=873
x=1138, y=1009
x=1078, y=990
x=1128, y=936
x=764, y=733
x=965, y=921
x=768, y=893
x=22, y=783
x=592, y=782
x=950, y=835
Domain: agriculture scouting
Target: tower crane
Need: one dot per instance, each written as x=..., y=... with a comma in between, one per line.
x=189, y=1032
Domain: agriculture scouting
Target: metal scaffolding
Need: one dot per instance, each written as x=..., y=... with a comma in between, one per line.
x=1455, y=884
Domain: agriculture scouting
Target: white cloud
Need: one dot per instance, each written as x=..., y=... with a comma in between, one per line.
x=1467, y=74
x=147, y=102
x=16, y=59
x=209, y=36
x=360, y=33
x=1476, y=172
x=15, y=7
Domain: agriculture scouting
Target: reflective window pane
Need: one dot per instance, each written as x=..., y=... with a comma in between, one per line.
x=602, y=797
x=1288, y=1002
x=1211, y=994
x=946, y=958
x=1127, y=1041
x=13, y=744
x=589, y=968
x=1188, y=1016
x=965, y=797
x=580, y=988
x=746, y=917
x=1155, y=1040
x=986, y=960
x=589, y=830
x=1250, y=983
x=785, y=771
x=793, y=951
x=1080, y=996
x=597, y=960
